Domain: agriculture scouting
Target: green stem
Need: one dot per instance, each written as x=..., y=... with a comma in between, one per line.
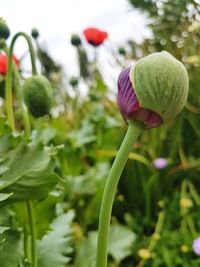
x=132, y=135
x=9, y=110
x=31, y=214
x=8, y=89
x=26, y=241
x=22, y=105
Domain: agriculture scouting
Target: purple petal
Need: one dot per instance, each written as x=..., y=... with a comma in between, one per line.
x=160, y=163
x=129, y=105
x=196, y=246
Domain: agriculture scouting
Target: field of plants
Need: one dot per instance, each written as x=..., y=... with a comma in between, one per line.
x=57, y=148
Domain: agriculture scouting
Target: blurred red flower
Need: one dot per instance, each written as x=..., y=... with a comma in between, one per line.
x=4, y=63
x=94, y=36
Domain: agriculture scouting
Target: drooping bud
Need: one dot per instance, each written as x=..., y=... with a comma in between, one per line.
x=35, y=33
x=76, y=40
x=4, y=30
x=153, y=91
x=37, y=93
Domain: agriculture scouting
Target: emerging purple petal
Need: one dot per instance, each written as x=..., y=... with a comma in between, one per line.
x=129, y=105
x=196, y=246
x=160, y=163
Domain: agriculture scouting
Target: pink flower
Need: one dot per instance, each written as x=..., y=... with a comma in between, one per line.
x=196, y=246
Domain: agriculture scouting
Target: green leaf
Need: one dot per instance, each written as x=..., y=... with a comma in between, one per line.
x=84, y=136
x=119, y=246
x=3, y=229
x=4, y=196
x=56, y=246
x=87, y=251
x=10, y=254
x=30, y=173
x=120, y=242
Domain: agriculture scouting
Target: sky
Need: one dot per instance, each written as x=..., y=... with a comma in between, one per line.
x=58, y=20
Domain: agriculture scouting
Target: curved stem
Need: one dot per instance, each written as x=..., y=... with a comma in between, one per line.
x=8, y=89
x=31, y=214
x=9, y=110
x=22, y=105
x=132, y=135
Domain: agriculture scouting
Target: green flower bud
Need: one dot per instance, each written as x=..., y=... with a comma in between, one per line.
x=37, y=93
x=35, y=33
x=75, y=40
x=122, y=51
x=161, y=84
x=4, y=30
x=74, y=82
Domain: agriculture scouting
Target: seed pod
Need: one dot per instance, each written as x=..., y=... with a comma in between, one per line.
x=74, y=82
x=75, y=40
x=4, y=30
x=35, y=33
x=153, y=91
x=37, y=93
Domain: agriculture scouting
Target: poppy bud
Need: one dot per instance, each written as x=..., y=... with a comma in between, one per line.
x=35, y=33
x=74, y=82
x=4, y=30
x=75, y=40
x=122, y=51
x=37, y=93
x=153, y=91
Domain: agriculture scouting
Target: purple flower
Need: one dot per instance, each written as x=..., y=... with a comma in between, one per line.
x=129, y=105
x=196, y=246
x=160, y=163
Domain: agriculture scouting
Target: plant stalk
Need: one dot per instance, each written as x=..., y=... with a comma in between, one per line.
x=133, y=132
x=8, y=88
x=31, y=214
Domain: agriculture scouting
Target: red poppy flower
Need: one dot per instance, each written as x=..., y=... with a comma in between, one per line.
x=94, y=36
x=4, y=63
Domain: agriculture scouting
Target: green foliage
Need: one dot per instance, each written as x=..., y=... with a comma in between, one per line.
x=28, y=173
x=63, y=166
x=55, y=247
x=10, y=252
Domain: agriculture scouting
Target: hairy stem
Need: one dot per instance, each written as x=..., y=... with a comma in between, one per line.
x=132, y=135
x=8, y=89
x=31, y=214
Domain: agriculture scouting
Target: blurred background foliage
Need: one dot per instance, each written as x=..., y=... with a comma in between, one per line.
x=156, y=211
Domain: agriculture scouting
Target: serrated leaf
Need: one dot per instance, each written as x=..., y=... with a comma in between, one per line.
x=86, y=256
x=120, y=242
x=55, y=247
x=119, y=246
x=30, y=173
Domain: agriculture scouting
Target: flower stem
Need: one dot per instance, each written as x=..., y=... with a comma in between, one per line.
x=8, y=89
x=31, y=214
x=10, y=115
x=132, y=135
